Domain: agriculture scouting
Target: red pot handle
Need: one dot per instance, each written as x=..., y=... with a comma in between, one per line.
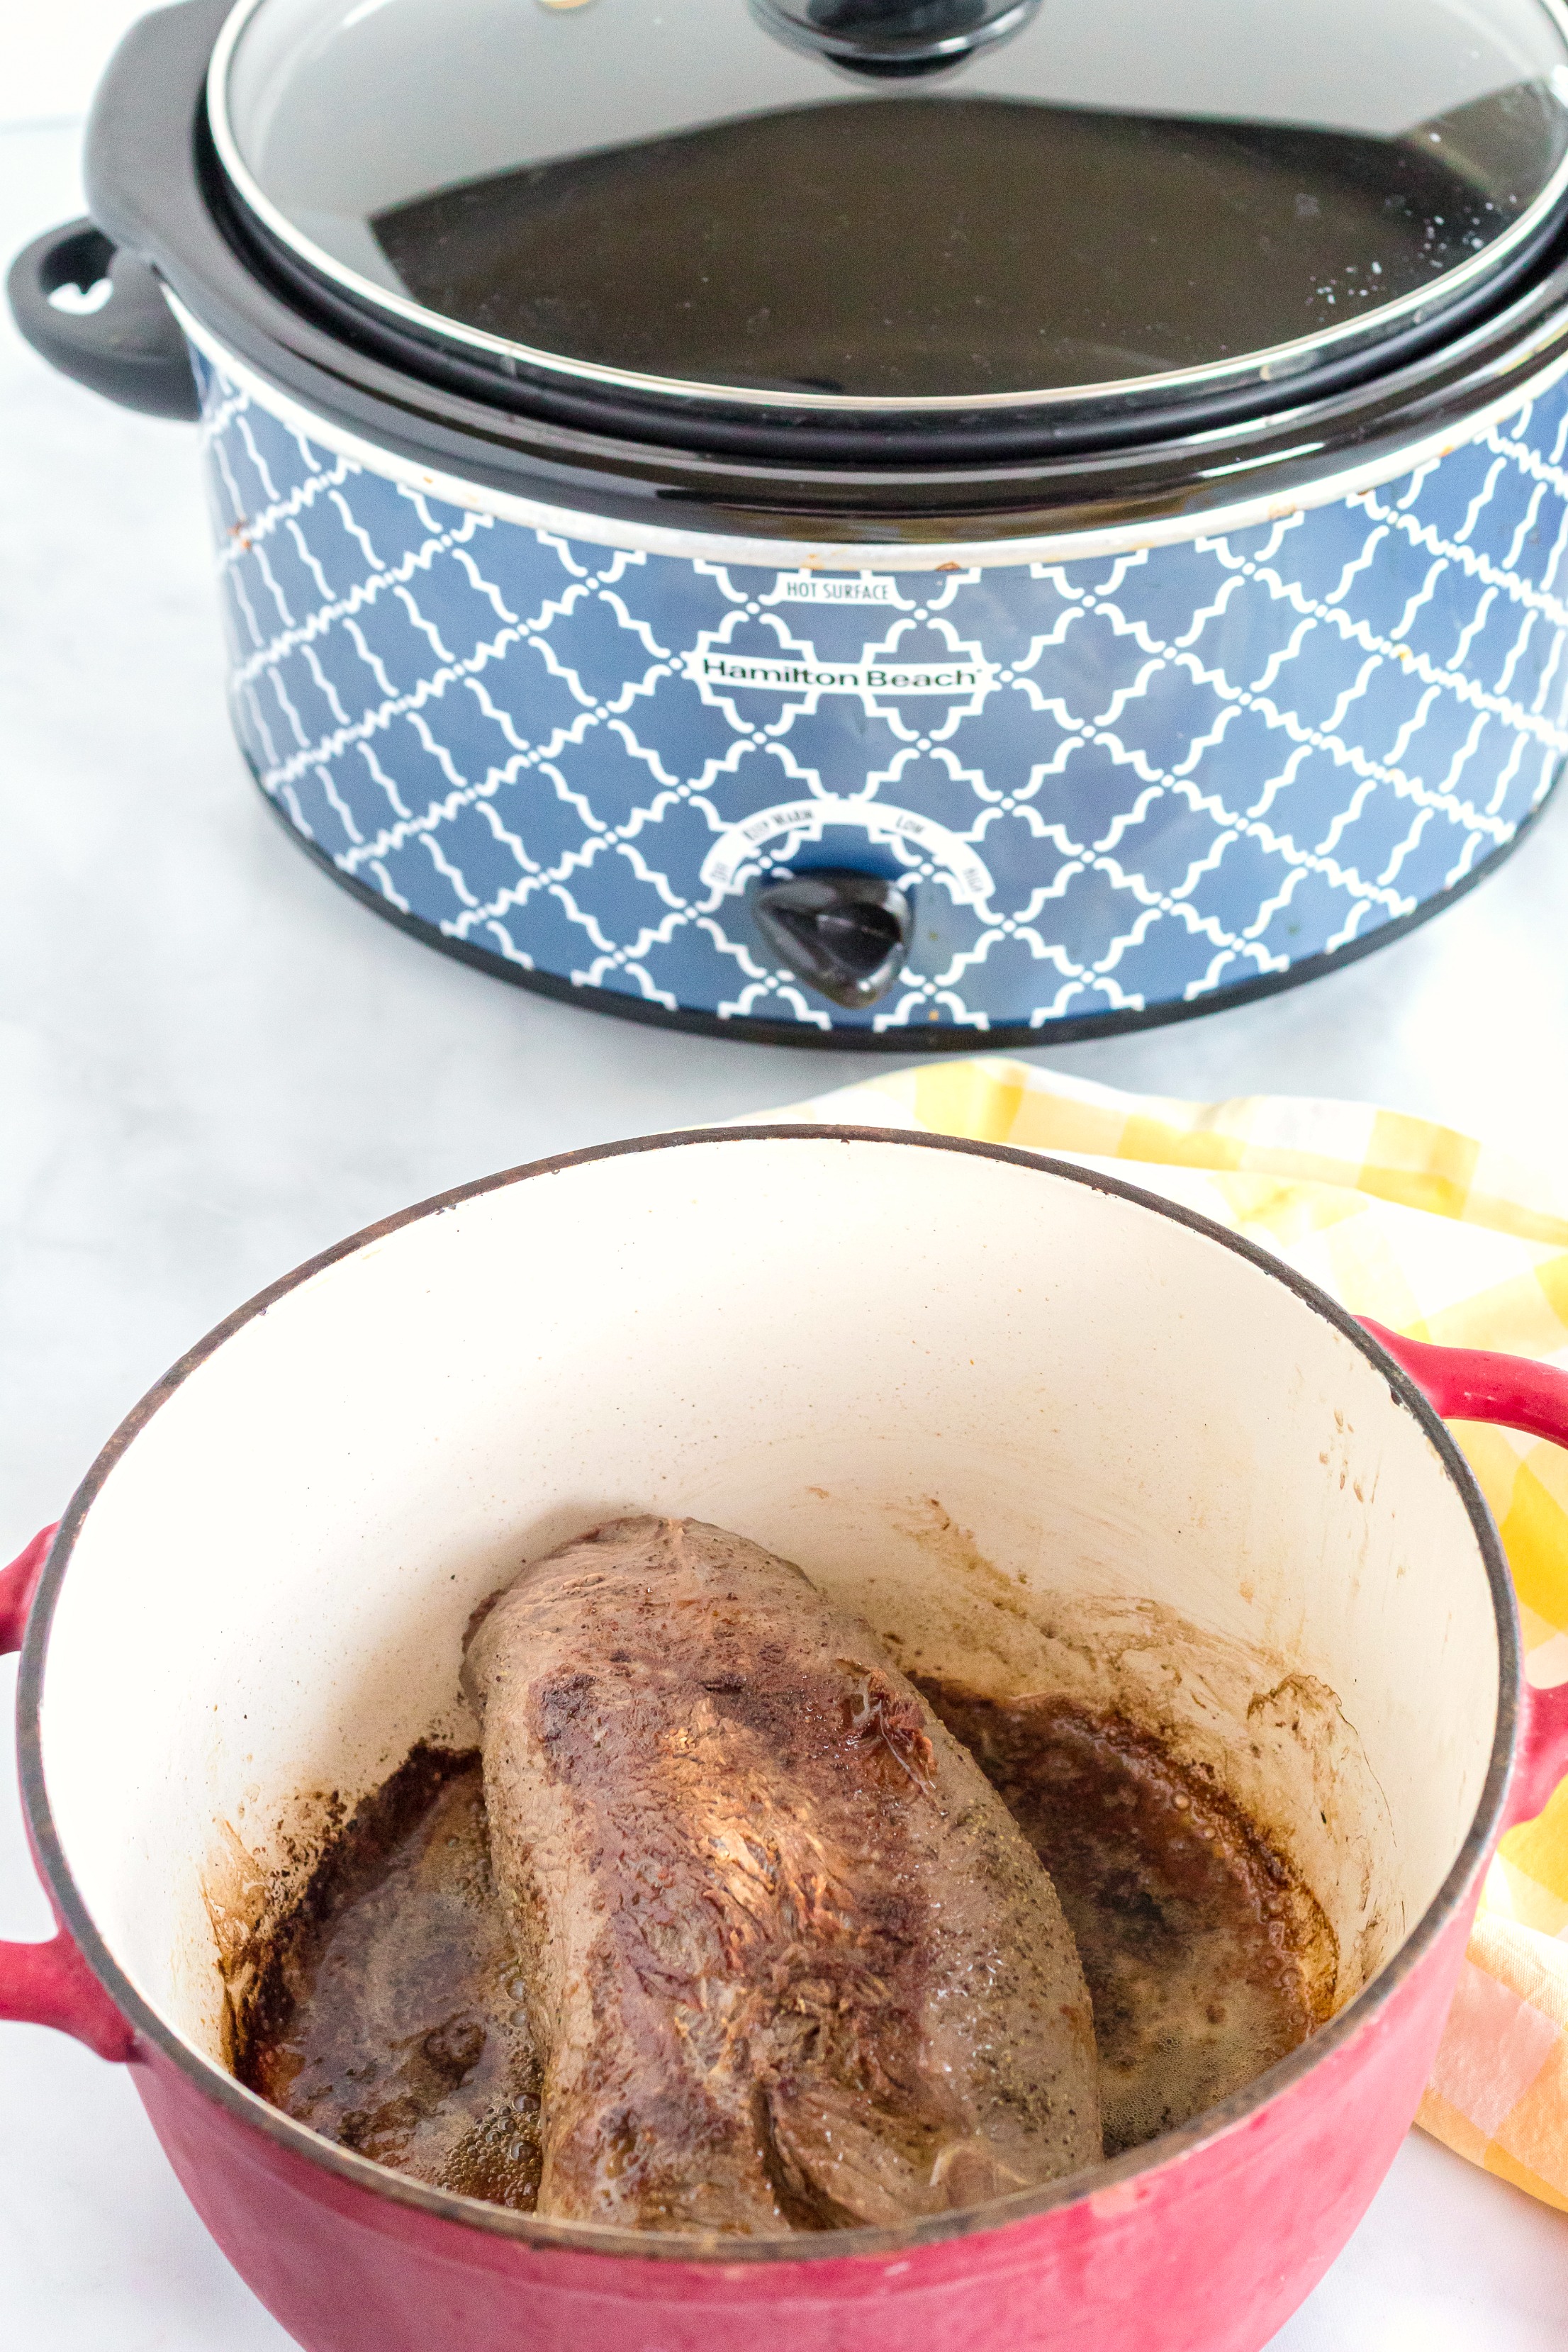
x=50, y=1984
x=1476, y=1384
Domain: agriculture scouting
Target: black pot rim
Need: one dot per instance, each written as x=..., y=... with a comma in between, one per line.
x=155, y=187
x=243, y=2107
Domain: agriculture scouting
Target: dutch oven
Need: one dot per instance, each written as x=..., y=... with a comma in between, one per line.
x=1032, y=1425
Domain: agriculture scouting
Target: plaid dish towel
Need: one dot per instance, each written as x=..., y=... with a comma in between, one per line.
x=1439, y=1237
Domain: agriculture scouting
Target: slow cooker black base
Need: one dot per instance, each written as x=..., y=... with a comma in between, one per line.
x=940, y=1037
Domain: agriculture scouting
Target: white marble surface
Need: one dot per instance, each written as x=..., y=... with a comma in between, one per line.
x=50, y=58
x=211, y=1063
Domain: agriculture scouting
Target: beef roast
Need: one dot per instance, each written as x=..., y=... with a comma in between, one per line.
x=793, y=1966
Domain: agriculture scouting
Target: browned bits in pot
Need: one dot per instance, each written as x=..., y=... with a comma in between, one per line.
x=389, y=2012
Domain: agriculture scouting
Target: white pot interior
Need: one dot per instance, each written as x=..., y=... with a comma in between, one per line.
x=1041, y=1436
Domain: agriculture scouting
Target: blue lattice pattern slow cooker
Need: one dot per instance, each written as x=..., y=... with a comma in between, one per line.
x=947, y=699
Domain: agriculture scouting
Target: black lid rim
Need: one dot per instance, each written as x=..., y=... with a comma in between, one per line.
x=1280, y=372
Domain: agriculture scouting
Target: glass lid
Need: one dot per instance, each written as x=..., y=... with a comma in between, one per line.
x=901, y=204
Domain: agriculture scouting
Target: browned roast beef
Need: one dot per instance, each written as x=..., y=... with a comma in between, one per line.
x=795, y=1968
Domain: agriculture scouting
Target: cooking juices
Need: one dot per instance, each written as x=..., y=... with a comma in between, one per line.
x=389, y=2012
x=1206, y=1957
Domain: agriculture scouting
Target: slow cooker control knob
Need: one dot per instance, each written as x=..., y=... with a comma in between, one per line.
x=894, y=36
x=846, y=935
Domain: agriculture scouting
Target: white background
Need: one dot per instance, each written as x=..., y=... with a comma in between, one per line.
x=51, y=55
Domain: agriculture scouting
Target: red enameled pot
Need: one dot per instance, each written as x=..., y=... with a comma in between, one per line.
x=1043, y=1430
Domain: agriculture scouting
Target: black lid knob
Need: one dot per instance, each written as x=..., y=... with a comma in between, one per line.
x=894, y=36
x=846, y=935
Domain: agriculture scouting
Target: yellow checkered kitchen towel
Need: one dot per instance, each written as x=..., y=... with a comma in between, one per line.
x=1440, y=1237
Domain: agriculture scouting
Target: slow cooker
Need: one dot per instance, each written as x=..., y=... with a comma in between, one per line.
x=864, y=521
x=1042, y=1431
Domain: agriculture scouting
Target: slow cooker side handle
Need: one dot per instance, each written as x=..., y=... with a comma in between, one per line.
x=129, y=346
x=50, y=1984
x=1477, y=1384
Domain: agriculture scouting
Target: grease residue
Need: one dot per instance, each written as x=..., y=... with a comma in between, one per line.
x=387, y=2009
x=1206, y=1957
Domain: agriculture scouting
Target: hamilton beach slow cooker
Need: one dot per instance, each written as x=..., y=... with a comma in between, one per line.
x=863, y=519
